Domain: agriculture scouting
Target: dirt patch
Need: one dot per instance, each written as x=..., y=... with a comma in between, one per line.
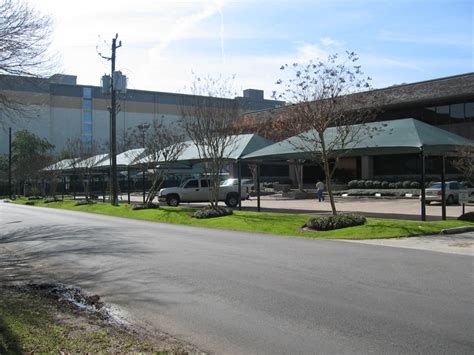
x=460, y=245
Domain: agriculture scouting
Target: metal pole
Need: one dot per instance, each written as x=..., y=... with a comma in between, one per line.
x=258, y=187
x=63, y=187
x=128, y=184
x=443, y=188
x=143, y=183
x=423, y=192
x=10, y=162
x=239, y=181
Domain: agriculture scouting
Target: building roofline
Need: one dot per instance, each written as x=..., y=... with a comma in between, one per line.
x=393, y=87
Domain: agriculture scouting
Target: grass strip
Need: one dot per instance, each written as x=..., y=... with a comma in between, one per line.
x=263, y=222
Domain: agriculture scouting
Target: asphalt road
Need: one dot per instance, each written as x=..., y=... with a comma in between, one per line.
x=234, y=293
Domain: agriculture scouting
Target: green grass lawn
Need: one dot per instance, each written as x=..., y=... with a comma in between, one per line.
x=263, y=222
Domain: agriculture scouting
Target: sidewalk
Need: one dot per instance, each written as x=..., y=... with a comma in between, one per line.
x=462, y=244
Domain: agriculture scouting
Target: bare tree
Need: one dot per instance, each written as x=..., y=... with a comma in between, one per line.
x=84, y=158
x=24, y=41
x=465, y=162
x=208, y=120
x=325, y=110
x=163, y=146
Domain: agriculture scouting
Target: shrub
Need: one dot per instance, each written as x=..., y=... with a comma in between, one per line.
x=406, y=184
x=30, y=203
x=52, y=199
x=415, y=185
x=377, y=184
x=32, y=198
x=325, y=223
x=353, y=184
x=392, y=185
x=84, y=202
x=385, y=185
x=361, y=184
x=368, y=184
x=145, y=206
x=467, y=217
x=399, y=185
x=212, y=212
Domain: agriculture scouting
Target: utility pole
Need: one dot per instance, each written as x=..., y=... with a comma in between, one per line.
x=10, y=162
x=113, y=121
x=113, y=128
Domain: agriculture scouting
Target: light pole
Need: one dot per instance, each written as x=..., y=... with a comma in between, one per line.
x=143, y=128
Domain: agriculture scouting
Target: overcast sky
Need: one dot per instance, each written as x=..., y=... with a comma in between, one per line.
x=165, y=41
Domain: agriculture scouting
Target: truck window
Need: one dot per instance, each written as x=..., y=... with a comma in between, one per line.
x=204, y=183
x=191, y=184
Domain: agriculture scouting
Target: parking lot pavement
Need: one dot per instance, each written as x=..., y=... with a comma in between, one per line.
x=454, y=244
x=372, y=207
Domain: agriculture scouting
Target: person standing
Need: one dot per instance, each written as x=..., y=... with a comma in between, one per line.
x=320, y=190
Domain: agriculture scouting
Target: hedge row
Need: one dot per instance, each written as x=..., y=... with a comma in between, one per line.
x=376, y=184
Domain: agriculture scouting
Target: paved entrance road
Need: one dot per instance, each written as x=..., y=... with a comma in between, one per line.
x=231, y=292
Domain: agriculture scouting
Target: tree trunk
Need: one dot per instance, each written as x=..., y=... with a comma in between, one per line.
x=327, y=173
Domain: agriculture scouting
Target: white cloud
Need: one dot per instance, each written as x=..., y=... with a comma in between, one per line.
x=326, y=41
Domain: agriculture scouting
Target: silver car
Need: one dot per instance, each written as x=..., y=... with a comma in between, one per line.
x=433, y=192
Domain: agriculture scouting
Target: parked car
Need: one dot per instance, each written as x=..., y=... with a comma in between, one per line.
x=247, y=185
x=452, y=189
x=197, y=190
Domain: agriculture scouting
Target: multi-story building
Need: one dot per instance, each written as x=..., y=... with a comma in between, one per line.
x=58, y=109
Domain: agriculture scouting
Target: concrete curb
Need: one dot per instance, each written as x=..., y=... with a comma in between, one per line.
x=458, y=230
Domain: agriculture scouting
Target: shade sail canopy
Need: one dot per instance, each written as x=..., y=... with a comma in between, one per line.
x=92, y=162
x=243, y=144
x=124, y=159
x=402, y=136
x=61, y=165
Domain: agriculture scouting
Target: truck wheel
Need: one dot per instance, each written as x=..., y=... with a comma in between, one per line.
x=232, y=200
x=172, y=200
x=450, y=200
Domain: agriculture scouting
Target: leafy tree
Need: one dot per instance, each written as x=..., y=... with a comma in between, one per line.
x=30, y=154
x=323, y=95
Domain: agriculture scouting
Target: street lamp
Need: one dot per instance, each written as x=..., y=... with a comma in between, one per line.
x=143, y=128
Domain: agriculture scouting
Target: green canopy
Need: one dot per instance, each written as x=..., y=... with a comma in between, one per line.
x=402, y=136
x=242, y=144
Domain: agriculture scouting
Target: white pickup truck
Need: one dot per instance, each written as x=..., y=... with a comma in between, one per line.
x=197, y=190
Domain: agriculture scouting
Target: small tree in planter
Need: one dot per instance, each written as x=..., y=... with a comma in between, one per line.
x=210, y=123
x=322, y=95
x=163, y=146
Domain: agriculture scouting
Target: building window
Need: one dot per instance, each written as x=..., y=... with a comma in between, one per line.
x=457, y=112
x=87, y=93
x=470, y=111
x=87, y=115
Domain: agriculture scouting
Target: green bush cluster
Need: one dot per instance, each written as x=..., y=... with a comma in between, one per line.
x=376, y=184
x=467, y=217
x=145, y=206
x=325, y=223
x=209, y=212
